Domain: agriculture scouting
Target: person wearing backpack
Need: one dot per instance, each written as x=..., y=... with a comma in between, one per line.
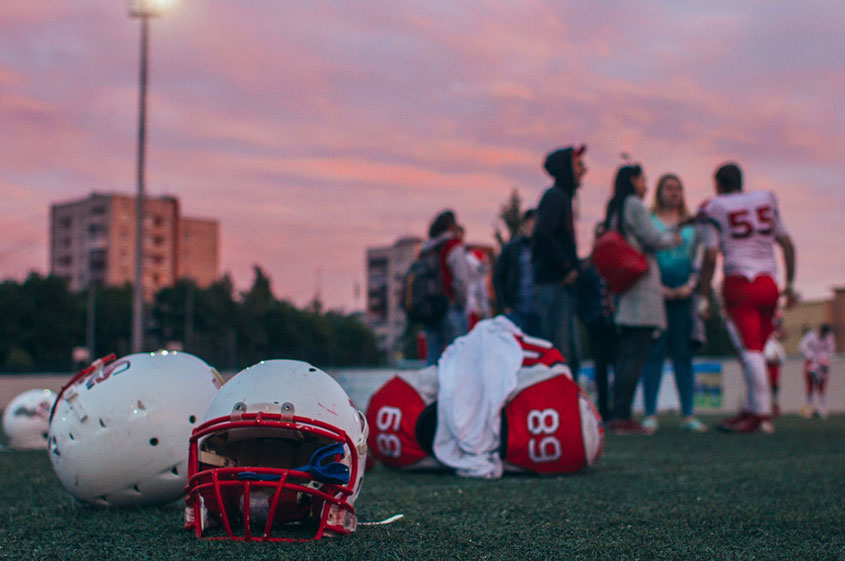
x=444, y=243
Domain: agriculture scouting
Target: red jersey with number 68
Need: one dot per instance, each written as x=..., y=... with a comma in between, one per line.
x=745, y=226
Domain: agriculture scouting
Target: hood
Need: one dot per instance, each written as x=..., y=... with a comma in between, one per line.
x=559, y=165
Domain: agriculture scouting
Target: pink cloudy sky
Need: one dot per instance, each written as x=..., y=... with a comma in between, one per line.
x=315, y=129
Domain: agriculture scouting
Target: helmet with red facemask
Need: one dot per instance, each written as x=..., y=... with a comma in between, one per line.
x=279, y=457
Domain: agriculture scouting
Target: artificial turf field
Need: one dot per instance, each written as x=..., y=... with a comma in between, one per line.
x=669, y=496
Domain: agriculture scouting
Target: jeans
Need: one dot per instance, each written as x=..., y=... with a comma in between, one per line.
x=676, y=339
x=557, y=307
x=632, y=351
x=441, y=335
x=602, y=336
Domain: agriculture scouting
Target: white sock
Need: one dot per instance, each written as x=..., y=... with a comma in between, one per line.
x=822, y=405
x=757, y=381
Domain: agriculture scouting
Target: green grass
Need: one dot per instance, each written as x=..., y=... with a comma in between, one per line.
x=670, y=496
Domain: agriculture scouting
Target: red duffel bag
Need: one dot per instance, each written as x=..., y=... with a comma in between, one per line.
x=617, y=262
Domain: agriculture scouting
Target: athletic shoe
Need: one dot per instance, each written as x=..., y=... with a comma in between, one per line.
x=727, y=424
x=806, y=412
x=754, y=423
x=693, y=425
x=625, y=427
x=650, y=424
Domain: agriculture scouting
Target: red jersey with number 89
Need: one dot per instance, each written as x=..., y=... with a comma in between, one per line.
x=746, y=225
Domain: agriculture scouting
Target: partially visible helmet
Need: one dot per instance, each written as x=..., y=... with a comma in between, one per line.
x=279, y=457
x=551, y=426
x=119, y=431
x=27, y=418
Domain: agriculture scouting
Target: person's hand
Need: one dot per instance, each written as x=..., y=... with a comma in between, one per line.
x=703, y=308
x=668, y=293
x=570, y=277
x=790, y=297
x=683, y=292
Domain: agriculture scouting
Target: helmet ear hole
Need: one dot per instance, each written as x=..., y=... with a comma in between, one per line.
x=154, y=441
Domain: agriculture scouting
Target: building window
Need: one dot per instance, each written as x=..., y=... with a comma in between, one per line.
x=94, y=231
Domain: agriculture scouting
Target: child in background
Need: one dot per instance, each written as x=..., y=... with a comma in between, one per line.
x=775, y=357
x=816, y=347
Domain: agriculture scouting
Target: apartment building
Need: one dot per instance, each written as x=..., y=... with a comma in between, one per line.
x=92, y=241
x=386, y=269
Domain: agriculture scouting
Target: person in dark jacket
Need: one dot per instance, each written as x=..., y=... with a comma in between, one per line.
x=555, y=255
x=513, y=278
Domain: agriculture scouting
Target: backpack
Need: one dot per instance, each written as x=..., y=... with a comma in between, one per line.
x=424, y=298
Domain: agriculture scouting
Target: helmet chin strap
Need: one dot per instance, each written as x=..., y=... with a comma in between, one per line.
x=331, y=472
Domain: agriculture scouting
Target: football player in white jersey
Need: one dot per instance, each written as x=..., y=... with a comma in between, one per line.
x=816, y=347
x=744, y=227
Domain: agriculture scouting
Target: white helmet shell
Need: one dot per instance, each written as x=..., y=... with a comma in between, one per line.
x=27, y=418
x=119, y=435
x=255, y=442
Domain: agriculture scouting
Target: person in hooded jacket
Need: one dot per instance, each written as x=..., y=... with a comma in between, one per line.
x=554, y=254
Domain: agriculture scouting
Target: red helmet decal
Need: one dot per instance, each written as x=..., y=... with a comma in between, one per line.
x=544, y=428
x=392, y=416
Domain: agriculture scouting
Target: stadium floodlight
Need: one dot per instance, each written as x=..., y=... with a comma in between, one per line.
x=148, y=8
x=144, y=10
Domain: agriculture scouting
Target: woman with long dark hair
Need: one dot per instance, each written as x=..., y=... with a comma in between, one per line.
x=640, y=313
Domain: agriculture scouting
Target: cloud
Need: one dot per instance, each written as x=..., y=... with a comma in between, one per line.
x=316, y=129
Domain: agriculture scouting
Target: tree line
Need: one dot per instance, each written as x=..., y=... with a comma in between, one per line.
x=41, y=322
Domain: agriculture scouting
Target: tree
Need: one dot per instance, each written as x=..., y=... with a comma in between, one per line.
x=40, y=323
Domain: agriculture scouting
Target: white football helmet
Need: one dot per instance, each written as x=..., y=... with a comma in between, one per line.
x=279, y=457
x=119, y=431
x=27, y=418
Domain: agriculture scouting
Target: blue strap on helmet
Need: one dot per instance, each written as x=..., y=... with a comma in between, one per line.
x=331, y=472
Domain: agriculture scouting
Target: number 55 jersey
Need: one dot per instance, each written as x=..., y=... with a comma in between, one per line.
x=745, y=226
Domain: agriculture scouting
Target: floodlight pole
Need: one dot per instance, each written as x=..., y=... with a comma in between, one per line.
x=143, y=12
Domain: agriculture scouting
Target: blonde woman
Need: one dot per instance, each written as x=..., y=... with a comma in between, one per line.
x=678, y=277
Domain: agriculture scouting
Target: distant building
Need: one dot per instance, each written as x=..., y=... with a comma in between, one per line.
x=811, y=314
x=92, y=240
x=386, y=269
x=199, y=250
